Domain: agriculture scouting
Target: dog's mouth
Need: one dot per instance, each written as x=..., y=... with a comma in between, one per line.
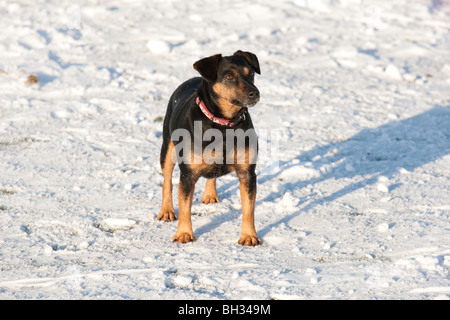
x=247, y=103
x=251, y=103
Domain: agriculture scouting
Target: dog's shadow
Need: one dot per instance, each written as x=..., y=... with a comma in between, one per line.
x=369, y=155
x=365, y=157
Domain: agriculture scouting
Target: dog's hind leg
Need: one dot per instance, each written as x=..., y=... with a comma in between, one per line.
x=210, y=193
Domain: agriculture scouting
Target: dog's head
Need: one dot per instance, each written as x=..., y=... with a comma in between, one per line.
x=231, y=80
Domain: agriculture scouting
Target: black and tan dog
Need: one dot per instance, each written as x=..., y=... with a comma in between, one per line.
x=217, y=100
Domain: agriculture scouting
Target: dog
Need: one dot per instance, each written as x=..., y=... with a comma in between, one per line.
x=216, y=103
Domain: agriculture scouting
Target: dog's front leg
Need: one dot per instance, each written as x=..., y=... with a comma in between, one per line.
x=247, y=186
x=186, y=188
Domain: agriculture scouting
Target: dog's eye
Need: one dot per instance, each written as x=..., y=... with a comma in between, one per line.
x=229, y=76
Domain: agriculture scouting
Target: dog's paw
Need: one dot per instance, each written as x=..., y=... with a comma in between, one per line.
x=249, y=240
x=183, y=237
x=210, y=199
x=167, y=215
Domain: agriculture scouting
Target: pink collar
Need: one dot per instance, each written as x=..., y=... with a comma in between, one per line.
x=222, y=122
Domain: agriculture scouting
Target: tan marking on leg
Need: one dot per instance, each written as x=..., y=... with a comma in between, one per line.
x=184, y=232
x=167, y=212
x=248, y=232
x=210, y=193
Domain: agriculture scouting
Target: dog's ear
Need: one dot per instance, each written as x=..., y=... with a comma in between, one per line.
x=251, y=59
x=207, y=67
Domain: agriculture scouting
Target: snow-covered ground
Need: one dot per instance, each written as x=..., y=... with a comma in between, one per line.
x=357, y=206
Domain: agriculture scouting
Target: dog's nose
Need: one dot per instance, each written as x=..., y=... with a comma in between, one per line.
x=253, y=93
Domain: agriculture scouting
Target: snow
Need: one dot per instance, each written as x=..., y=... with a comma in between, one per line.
x=354, y=204
x=158, y=47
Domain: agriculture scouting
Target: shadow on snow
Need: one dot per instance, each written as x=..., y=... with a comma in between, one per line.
x=371, y=154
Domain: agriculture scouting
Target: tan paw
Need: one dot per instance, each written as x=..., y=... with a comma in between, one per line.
x=183, y=237
x=210, y=199
x=167, y=215
x=248, y=240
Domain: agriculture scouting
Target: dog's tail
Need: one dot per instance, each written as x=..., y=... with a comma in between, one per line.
x=166, y=134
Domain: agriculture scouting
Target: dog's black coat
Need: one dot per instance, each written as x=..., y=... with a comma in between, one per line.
x=227, y=89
